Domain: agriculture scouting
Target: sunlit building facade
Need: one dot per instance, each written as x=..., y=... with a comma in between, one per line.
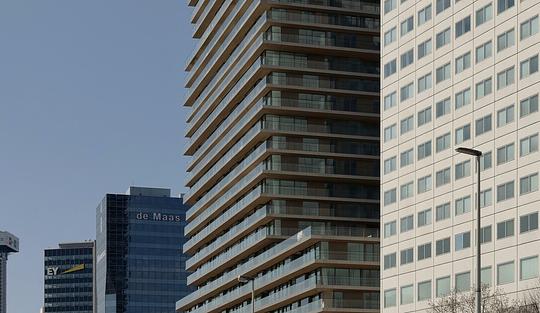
x=458, y=73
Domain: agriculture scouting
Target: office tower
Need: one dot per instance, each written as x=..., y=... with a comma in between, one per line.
x=69, y=278
x=8, y=244
x=284, y=145
x=458, y=74
x=140, y=267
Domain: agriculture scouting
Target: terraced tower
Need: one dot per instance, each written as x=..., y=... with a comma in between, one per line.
x=284, y=139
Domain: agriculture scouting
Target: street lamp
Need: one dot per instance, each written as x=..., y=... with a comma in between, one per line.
x=244, y=279
x=476, y=154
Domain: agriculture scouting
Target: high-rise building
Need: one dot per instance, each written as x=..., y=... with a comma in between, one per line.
x=140, y=267
x=458, y=74
x=284, y=174
x=69, y=278
x=8, y=244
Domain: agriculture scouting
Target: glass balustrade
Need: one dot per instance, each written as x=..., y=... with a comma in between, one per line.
x=372, y=7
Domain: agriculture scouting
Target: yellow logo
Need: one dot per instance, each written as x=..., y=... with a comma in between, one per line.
x=76, y=268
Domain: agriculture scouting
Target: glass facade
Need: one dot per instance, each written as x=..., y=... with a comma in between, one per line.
x=140, y=265
x=69, y=278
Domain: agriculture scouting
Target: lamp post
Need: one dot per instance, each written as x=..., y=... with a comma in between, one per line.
x=476, y=154
x=245, y=279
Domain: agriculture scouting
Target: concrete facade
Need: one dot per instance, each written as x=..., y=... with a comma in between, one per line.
x=458, y=74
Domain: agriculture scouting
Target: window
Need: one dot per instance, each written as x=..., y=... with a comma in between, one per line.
x=406, y=223
x=442, y=246
x=505, y=78
x=463, y=205
x=442, y=177
x=407, y=256
x=528, y=268
x=406, y=158
x=485, y=276
x=505, y=191
x=463, y=26
x=483, y=125
x=424, y=290
x=528, y=222
x=424, y=184
x=442, y=212
x=528, y=67
x=407, y=92
x=463, y=282
x=483, y=88
x=407, y=58
x=424, y=218
x=528, y=106
x=424, y=251
x=483, y=51
x=390, y=196
x=463, y=98
x=442, y=142
x=407, y=124
x=424, y=116
x=528, y=145
x=484, y=14
x=485, y=161
x=442, y=5
x=503, y=5
x=390, y=165
x=424, y=49
x=442, y=73
x=505, y=273
x=442, y=107
x=390, y=132
x=424, y=82
x=390, y=36
x=424, y=15
x=407, y=294
x=389, y=5
x=505, y=40
x=390, y=229
x=463, y=241
x=485, y=234
x=390, y=100
x=505, y=229
x=390, y=261
x=485, y=198
x=463, y=169
x=406, y=191
x=463, y=134
x=505, y=116
x=528, y=28
x=443, y=286
x=407, y=25
x=443, y=38
x=528, y=184
x=505, y=154
x=463, y=62
x=424, y=150
x=390, y=298
x=390, y=68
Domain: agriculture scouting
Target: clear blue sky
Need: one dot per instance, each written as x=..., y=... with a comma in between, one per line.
x=90, y=103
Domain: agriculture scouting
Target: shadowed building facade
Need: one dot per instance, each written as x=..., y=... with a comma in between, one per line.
x=284, y=145
x=139, y=265
x=8, y=244
x=69, y=278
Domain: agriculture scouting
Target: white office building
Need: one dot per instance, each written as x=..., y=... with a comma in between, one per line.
x=458, y=73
